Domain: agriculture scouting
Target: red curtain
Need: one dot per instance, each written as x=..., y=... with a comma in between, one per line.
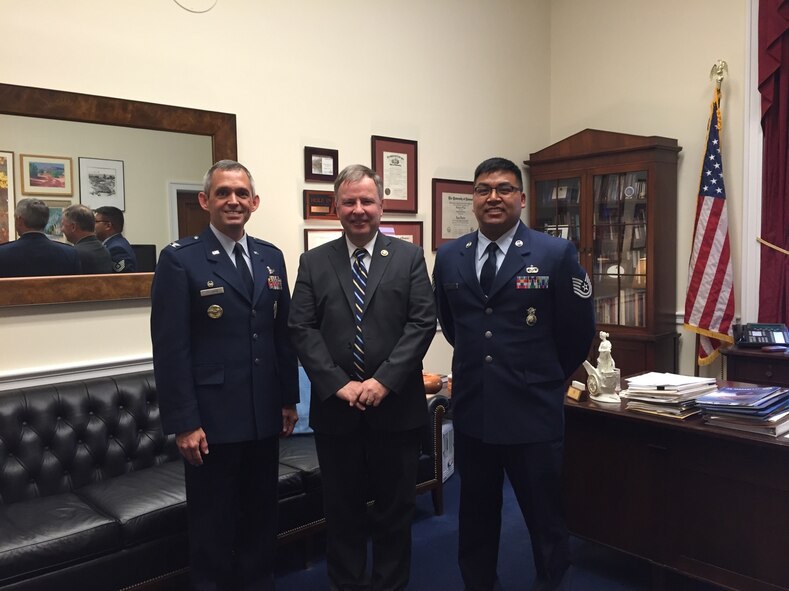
x=774, y=89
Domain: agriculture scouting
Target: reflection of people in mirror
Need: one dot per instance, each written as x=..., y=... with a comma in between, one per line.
x=79, y=228
x=33, y=254
x=109, y=225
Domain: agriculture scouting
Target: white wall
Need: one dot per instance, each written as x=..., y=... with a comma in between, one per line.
x=466, y=79
x=642, y=67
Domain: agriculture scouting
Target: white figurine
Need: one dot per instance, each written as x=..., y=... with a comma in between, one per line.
x=603, y=380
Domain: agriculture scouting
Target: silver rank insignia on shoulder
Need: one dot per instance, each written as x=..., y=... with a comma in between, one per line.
x=174, y=244
x=384, y=253
x=519, y=243
x=468, y=244
x=531, y=317
x=215, y=311
x=532, y=269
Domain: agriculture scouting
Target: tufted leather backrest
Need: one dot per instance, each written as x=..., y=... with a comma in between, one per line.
x=60, y=437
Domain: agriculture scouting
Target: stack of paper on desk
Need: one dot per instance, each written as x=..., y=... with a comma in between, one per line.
x=666, y=394
x=756, y=409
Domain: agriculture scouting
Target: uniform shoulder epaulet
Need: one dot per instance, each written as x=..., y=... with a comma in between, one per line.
x=183, y=242
x=264, y=243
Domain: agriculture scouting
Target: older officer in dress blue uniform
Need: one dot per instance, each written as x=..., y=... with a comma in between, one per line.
x=517, y=308
x=227, y=380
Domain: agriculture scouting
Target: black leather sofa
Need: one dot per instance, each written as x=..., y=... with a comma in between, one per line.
x=91, y=490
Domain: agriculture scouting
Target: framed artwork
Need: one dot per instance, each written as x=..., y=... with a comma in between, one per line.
x=319, y=205
x=320, y=164
x=558, y=231
x=101, y=183
x=46, y=175
x=452, y=212
x=7, y=199
x=315, y=237
x=395, y=161
x=408, y=231
x=53, y=229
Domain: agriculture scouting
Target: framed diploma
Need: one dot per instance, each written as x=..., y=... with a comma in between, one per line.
x=319, y=205
x=452, y=213
x=320, y=164
x=395, y=162
x=314, y=237
x=408, y=231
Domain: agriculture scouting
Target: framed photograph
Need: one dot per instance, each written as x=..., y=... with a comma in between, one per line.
x=320, y=164
x=558, y=231
x=452, y=213
x=395, y=161
x=101, y=183
x=315, y=237
x=7, y=198
x=46, y=175
x=319, y=205
x=52, y=229
x=408, y=231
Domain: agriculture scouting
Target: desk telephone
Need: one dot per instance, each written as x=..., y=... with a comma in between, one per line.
x=761, y=335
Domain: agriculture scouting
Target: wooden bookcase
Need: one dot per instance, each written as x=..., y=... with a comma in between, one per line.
x=615, y=196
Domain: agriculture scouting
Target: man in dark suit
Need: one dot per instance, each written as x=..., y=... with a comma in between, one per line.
x=78, y=225
x=109, y=225
x=34, y=254
x=227, y=377
x=520, y=317
x=362, y=319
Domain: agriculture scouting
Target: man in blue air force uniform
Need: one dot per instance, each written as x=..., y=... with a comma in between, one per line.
x=517, y=308
x=227, y=381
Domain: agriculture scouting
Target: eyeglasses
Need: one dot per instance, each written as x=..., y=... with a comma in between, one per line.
x=502, y=190
x=102, y=221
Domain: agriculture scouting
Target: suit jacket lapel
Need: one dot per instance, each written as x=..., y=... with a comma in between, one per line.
x=513, y=261
x=467, y=265
x=339, y=259
x=221, y=264
x=378, y=266
x=260, y=271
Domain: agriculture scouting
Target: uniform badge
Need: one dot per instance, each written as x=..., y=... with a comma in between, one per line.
x=212, y=291
x=531, y=317
x=582, y=287
x=270, y=270
x=384, y=253
x=214, y=252
x=120, y=265
x=215, y=311
x=531, y=282
x=274, y=282
x=519, y=243
x=532, y=269
x=209, y=283
x=468, y=244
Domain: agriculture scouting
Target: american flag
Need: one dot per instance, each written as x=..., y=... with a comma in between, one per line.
x=709, y=304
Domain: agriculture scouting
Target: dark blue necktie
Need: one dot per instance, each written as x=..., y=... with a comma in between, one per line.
x=488, y=272
x=243, y=269
x=359, y=285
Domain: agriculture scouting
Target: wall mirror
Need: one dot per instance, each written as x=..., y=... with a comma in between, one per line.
x=69, y=106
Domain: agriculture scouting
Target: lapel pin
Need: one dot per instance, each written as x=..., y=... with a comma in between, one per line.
x=384, y=253
x=519, y=243
x=468, y=244
x=210, y=283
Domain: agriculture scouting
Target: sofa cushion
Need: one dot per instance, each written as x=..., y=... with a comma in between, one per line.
x=298, y=451
x=148, y=503
x=50, y=532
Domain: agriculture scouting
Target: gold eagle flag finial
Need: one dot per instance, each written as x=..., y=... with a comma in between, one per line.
x=719, y=71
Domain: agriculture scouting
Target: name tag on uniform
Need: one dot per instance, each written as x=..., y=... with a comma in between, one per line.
x=531, y=282
x=274, y=282
x=212, y=291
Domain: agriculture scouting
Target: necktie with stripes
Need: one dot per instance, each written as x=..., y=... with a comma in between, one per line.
x=359, y=272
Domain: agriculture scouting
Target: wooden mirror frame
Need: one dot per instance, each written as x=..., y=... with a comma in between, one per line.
x=27, y=101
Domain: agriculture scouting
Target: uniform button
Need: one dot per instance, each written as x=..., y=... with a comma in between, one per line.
x=488, y=311
x=255, y=336
x=254, y=313
x=488, y=334
x=488, y=359
x=24, y=423
x=257, y=360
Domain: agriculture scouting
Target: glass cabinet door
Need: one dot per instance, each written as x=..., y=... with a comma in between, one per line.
x=619, y=232
x=558, y=209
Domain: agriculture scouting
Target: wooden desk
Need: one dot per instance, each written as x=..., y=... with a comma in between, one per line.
x=757, y=366
x=708, y=502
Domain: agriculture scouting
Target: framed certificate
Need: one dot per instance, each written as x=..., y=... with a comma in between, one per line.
x=395, y=161
x=408, y=231
x=316, y=237
x=320, y=164
x=452, y=213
